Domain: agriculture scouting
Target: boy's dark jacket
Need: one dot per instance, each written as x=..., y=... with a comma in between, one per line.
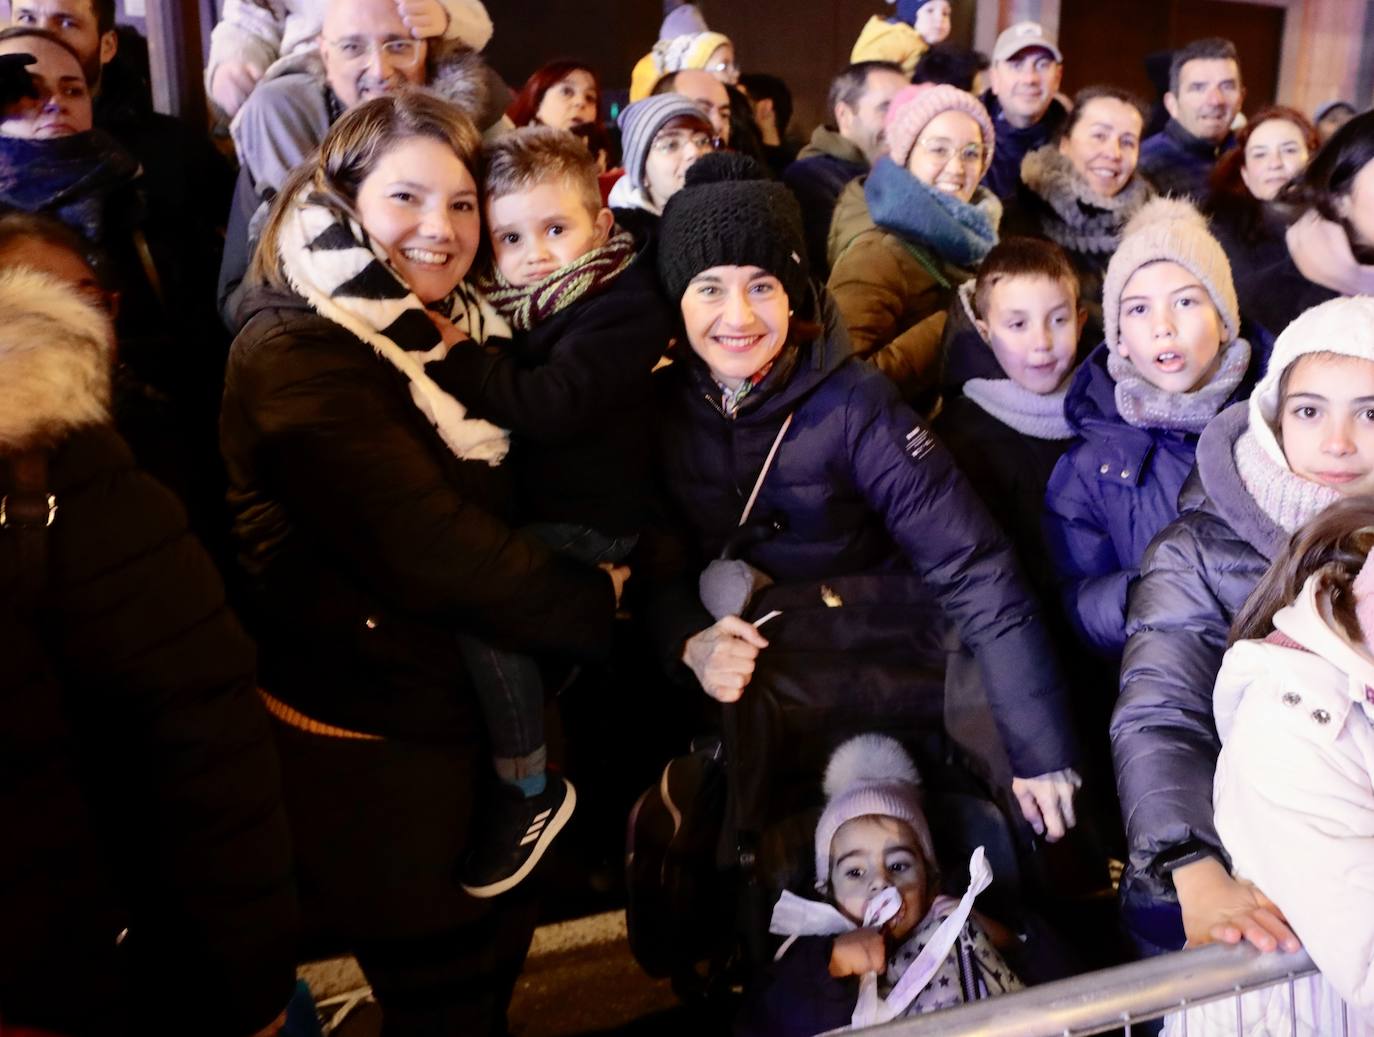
x=576, y=394
x=859, y=484
x=1008, y=469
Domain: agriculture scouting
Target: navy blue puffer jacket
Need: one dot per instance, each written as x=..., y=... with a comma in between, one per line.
x=1114, y=489
x=861, y=484
x=1194, y=579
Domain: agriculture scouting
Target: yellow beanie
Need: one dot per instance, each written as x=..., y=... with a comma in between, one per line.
x=674, y=55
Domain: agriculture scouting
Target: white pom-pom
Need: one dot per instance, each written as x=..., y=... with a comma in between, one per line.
x=1164, y=210
x=868, y=760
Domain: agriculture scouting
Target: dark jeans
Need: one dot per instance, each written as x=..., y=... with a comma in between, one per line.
x=378, y=828
x=508, y=684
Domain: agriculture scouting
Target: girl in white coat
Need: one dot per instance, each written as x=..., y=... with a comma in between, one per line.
x=1294, y=792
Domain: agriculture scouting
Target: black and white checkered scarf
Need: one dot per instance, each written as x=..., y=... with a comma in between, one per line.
x=336, y=267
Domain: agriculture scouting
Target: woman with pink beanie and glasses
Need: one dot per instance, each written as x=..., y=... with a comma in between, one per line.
x=907, y=234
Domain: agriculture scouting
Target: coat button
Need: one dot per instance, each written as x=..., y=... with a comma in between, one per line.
x=370, y=623
x=1321, y=716
x=1125, y=473
x=1105, y=469
x=1291, y=698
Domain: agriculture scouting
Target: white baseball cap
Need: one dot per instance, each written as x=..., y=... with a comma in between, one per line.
x=1022, y=36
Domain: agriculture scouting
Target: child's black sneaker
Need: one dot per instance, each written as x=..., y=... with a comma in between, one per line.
x=513, y=834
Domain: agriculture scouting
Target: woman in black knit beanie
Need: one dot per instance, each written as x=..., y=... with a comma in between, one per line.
x=859, y=494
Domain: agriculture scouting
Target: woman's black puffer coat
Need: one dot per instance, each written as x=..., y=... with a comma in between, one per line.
x=370, y=546
x=861, y=484
x=139, y=785
x=1194, y=578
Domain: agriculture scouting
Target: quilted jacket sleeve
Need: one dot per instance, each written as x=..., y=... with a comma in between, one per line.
x=1164, y=739
x=936, y=517
x=1092, y=581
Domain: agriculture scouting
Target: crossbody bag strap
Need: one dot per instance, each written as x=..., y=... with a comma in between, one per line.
x=767, y=464
x=26, y=512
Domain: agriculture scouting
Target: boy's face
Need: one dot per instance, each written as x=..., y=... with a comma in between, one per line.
x=1170, y=329
x=1032, y=325
x=542, y=229
x=1327, y=422
x=867, y=855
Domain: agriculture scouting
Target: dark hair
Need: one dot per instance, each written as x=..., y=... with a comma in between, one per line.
x=523, y=109
x=1213, y=48
x=1229, y=195
x=16, y=227
x=950, y=63
x=761, y=86
x=1330, y=175
x=1336, y=544
x=17, y=32
x=849, y=86
x=1022, y=257
x=104, y=14
x=1093, y=93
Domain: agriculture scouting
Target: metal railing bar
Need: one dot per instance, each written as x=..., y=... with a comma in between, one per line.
x=1098, y=1001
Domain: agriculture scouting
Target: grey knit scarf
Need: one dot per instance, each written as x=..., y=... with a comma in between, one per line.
x=1147, y=406
x=1083, y=220
x=1038, y=415
x=1287, y=498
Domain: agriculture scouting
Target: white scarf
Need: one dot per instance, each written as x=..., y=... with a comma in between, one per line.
x=334, y=265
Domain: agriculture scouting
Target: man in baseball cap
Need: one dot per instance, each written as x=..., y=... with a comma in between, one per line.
x=1026, y=68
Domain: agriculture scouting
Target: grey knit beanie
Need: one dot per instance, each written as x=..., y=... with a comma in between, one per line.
x=1169, y=229
x=640, y=123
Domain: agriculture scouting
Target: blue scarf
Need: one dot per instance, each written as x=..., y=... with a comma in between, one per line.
x=958, y=232
x=69, y=178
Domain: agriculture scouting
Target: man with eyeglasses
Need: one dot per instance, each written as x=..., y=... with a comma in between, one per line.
x=365, y=49
x=1026, y=69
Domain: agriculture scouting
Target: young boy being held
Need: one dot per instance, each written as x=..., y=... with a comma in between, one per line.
x=872, y=838
x=574, y=389
x=1010, y=368
x=1172, y=359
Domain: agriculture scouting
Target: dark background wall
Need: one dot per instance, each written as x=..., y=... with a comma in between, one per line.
x=807, y=41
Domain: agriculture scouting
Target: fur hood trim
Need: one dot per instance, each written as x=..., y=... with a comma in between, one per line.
x=463, y=78
x=56, y=356
x=1085, y=220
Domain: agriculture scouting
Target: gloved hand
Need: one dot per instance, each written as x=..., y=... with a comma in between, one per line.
x=15, y=81
x=1047, y=801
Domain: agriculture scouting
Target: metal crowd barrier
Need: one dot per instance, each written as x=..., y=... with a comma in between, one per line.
x=1116, y=998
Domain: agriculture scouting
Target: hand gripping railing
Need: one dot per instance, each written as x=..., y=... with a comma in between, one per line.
x=1114, y=998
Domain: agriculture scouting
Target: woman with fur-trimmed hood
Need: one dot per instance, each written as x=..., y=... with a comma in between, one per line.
x=1081, y=190
x=148, y=869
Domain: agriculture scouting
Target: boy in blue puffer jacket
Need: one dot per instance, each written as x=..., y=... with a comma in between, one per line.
x=1172, y=359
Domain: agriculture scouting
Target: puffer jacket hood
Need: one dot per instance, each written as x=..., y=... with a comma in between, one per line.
x=1216, y=486
x=965, y=353
x=56, y=356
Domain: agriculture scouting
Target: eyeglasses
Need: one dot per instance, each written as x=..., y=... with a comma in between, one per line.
x=354, y=50
x=942, y=151
x=673, y=145
x=723, y=67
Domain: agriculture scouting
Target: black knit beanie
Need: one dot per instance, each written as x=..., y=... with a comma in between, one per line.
x=728, y=213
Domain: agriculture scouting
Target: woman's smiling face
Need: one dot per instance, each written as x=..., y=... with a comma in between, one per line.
x=420, y=204
x=736, y=318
